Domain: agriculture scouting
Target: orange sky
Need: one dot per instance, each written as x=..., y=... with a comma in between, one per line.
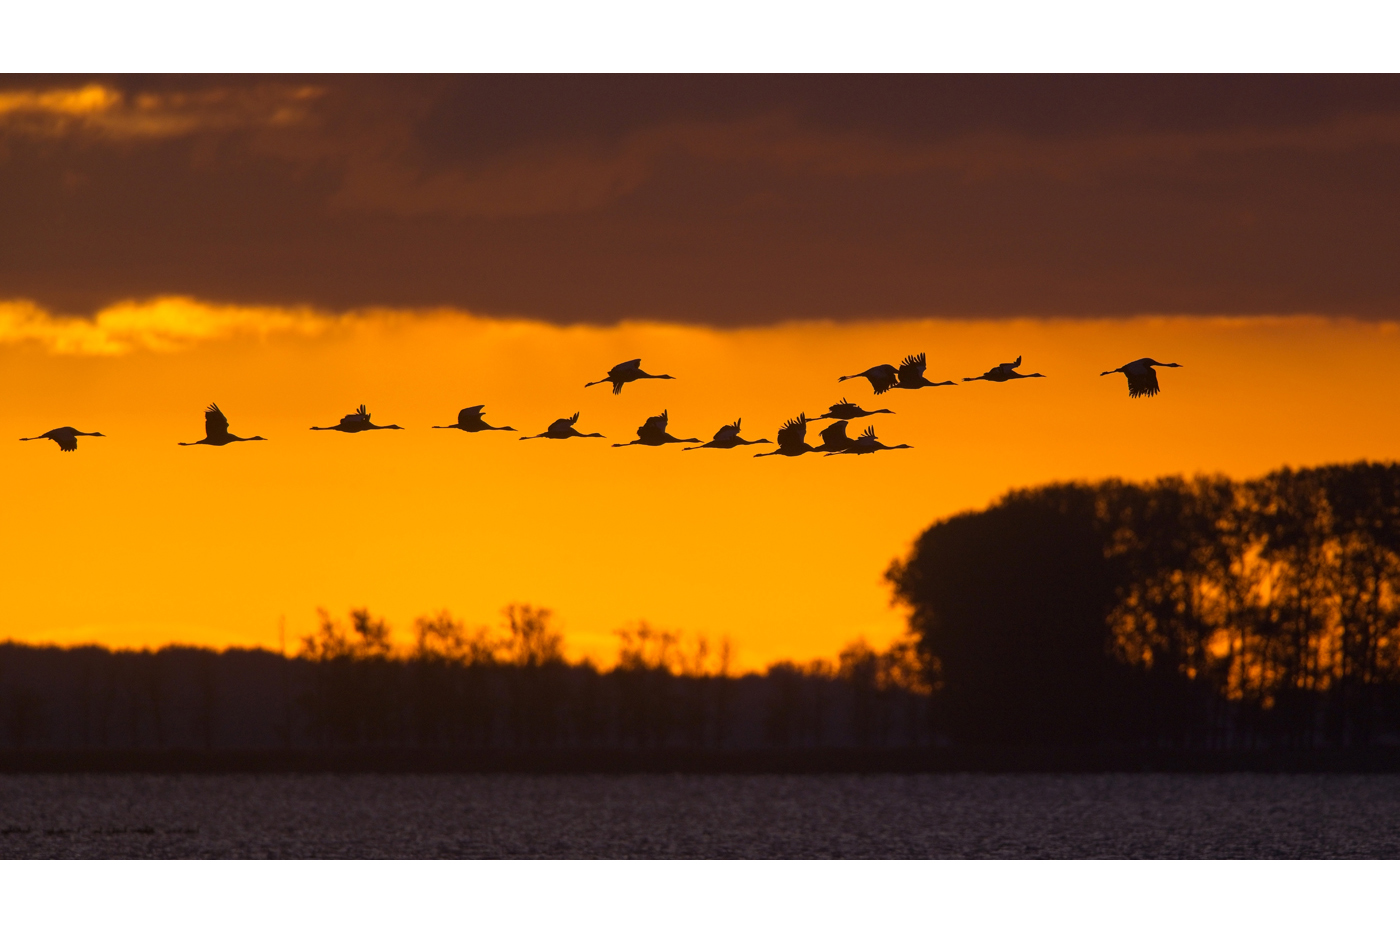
x=136, y=541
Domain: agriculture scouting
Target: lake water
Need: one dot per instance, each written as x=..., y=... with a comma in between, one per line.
x=700, y=816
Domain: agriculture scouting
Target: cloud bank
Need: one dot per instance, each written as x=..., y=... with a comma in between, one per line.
x=725, y=200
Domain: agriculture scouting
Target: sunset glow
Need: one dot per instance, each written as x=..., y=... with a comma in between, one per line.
x=135, y=541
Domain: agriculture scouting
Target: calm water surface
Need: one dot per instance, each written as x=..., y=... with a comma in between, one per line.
x=684, y=816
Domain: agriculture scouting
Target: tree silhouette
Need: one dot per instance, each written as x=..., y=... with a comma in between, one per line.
x=1012, y=601
x=532, y=642
x=353, y=697
x=1235, y=614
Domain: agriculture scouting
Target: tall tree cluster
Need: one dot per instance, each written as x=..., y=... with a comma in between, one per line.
x=1201, y=612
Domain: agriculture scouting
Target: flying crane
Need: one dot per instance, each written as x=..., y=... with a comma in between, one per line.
x=1004, y=372
x=1142, y=378
x=727, y=438
x=561, y=430
x=623, y=373
x=358, y=421
x=216, y=432
x=653, y=434
x=66, y=438
x=792, y=439
x=469, y=420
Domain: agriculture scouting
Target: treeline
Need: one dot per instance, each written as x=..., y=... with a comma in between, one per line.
x=1177, y=614
x=455, y=687
x=1186, y=613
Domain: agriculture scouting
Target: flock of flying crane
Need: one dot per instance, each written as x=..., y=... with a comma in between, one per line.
x=792, y=436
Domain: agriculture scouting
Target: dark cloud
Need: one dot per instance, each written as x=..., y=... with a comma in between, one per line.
x=725, y=199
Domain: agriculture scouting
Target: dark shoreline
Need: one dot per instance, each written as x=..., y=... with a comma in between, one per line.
x=1009, y=760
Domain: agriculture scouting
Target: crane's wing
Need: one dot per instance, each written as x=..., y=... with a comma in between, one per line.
x=835, y=434
x=621, y=368
x=215, y=424
x=466, y=414
x=64, y=439
x=1143, y=382
x=883, y=378
x=1010, y=366
x=793, y=432
x=356, y=416
x=868, y=433
x=915, y=364
x=657, y=422
x=728, y=432
x=561, y=424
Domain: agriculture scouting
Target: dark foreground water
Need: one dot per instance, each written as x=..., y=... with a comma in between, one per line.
x=680, y=816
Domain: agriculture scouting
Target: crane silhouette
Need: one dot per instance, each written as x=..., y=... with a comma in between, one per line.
x=1004, y=373
x=469, y=420
x=623, y=373
x=882, y=378
x=561, y=430
x=216, y=430
x=1142, y=378
x=357, y=422
x=727, y=438
x=653, y=434
x=867, y=443
x=834, y=439
x=911, y=374
x=792, y=439
x=847, y=410
x=65, y=438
